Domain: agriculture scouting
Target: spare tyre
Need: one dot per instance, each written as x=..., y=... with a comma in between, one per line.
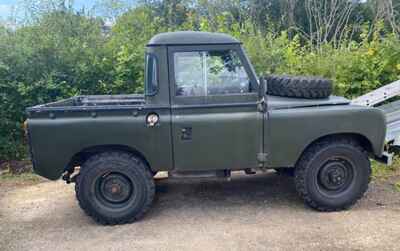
x=299, y=87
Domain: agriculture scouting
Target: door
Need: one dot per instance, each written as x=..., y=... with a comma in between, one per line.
x=215, y=122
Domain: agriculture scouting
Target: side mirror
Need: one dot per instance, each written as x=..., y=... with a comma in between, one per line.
x=262, y=88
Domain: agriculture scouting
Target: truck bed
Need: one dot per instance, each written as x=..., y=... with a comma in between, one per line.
x=91, y=102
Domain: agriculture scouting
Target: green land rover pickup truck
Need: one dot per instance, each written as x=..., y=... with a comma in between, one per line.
x=205, y=112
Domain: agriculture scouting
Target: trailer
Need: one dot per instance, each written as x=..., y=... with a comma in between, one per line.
x=381, y=99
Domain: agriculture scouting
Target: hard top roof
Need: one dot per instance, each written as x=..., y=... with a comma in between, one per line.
x=191, y=37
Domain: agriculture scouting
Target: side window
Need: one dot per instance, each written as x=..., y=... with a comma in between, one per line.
x=151, y=77
x=203, y=73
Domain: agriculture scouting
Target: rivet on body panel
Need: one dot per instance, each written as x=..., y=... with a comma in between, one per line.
x=52, y=115
x=93, y=114
x=135, y=113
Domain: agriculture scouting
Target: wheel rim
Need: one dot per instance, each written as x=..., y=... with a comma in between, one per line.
x=114, y=189
x=335, y=176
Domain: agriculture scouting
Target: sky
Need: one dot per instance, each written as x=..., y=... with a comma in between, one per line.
x=6, y=6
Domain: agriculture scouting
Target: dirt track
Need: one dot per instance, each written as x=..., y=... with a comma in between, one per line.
x=249, y=213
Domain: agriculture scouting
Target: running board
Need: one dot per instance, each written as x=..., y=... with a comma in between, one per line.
x=199, y=174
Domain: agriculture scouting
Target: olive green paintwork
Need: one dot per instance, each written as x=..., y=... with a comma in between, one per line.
x=290, y=131
x=225, y=132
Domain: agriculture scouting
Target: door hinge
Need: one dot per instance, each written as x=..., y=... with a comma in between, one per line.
x=261, y=106
x=186, y=133
x=262, y=157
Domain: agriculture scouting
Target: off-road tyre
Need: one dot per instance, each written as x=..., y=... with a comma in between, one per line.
x=299, y=87
x=133, y=178
x=313, y=169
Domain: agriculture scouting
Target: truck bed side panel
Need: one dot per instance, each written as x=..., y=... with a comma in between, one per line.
x=55, y=141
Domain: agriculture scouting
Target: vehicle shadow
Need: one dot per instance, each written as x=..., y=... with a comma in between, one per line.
x=267, y=190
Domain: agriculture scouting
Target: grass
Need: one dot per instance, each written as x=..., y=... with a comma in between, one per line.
x=8, y=179
x=23, y=177
x=389, y=173
x=397, y=186
x=8, y=176
x=381, y=171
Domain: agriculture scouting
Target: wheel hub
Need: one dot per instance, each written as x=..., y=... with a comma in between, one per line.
x=115, y=188
x=335, y=175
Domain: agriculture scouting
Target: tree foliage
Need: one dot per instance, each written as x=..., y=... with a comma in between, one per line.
x=58, y=52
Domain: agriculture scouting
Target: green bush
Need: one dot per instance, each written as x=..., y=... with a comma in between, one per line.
x=355, y=67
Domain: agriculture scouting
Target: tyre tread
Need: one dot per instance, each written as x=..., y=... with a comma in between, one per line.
x=303, y=165
x=106, y=157
x=299, y=87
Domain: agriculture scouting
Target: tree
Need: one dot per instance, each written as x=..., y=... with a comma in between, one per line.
x=34, y=9
x=112, y=9
x=328, y=19
x=384, y=10
x=290, y=9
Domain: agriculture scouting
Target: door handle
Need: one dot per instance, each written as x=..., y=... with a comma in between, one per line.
x=186, y=133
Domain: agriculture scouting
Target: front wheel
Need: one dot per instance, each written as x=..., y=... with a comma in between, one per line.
x=333, y=174
x=114, y=188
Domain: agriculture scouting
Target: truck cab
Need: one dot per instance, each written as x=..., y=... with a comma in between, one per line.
x=204, y=111
x=206, y=82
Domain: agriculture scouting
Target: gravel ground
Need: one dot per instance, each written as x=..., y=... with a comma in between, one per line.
x=247, y=213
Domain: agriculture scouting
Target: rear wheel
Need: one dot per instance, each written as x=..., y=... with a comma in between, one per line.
x=333, y=174
x=115, y=188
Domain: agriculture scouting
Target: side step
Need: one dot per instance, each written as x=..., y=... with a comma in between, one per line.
x=206, y=174
x=199, y=174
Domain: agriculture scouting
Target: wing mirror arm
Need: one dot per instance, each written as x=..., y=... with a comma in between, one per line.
x=262, y=92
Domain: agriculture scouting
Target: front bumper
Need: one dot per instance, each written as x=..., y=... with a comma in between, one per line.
x=386, y=158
